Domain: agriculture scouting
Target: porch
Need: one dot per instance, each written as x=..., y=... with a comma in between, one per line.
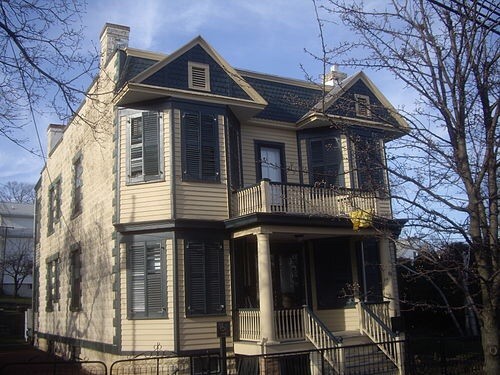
x=267, y=197
x=340, y=350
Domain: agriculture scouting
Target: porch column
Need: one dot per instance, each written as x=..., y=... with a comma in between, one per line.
x=389, y=275
x=265, y=288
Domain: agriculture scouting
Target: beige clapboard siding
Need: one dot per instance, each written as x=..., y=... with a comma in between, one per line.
x=151, y=200
x=200, y=332
x=199, y=200
x=268, y=133
x=92, y=228
x=339, y=319
x=143, y=334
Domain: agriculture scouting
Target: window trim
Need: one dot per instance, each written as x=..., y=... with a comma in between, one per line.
x=221, y=278
x=53, y=293
x=193, y=81
x=340, y=174
x=75, y=262
x=143, y=178
x=189, y=176
x=76, y=209
x=258, y=144
x=147, y=314
x=54, y=204
x=362, y=109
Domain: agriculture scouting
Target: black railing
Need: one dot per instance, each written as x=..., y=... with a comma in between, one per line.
x=55, y=368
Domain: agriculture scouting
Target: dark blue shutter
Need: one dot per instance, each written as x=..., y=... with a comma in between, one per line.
x=326, y=159
x=215, y=277
x=369, y=163
x=192, y=145
x=200, y=146
x=195, y=274
x=209, y=155
x=205, y=277
x=151, y=145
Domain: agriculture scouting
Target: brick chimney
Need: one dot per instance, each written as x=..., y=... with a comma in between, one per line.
x=334, y=76
x=113, y=37
x=54, y=135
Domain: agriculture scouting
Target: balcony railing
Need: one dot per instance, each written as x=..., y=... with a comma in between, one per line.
x=269, y=196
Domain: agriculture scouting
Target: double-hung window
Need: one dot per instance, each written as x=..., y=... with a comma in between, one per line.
x=204, y=277
x=76, y=279
x=144, y=147
x=200, y=146
x=77, y=186
x=146, y=280
x=54, y=202
x=369, y=162
x=326, y=162
x=53, y=273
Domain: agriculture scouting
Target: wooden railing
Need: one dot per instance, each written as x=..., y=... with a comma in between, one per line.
x=289, y=324
x=248, y=324
x=269, y=196
x=322, y=338
x=377, y=328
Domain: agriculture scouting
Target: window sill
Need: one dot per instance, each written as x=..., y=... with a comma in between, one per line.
x=141, y=182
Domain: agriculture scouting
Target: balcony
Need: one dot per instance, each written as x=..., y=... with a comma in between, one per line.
x=299, y=199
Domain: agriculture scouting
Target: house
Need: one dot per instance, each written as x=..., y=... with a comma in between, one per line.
x=16, y=248
x=187, y=193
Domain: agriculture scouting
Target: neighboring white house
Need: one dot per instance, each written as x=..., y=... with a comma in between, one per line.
x=16, y=238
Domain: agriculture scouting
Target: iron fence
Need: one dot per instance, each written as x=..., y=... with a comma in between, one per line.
x=55, y=368
x=429, y=356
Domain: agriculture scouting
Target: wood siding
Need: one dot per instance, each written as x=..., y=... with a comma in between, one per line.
x=339, y=319
x=199, y=333
x=142, y=335
x=147, y=201
x=267, y=133
x=200, y=200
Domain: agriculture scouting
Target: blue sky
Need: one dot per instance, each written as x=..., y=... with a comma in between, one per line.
x=261, y=35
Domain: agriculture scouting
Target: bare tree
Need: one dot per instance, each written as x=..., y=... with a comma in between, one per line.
x=19, y=192
x=39, y=51
x=18, y=262
x=444, y=172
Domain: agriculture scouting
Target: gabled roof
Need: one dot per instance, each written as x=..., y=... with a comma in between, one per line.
x=157, y=74
x=343, y=93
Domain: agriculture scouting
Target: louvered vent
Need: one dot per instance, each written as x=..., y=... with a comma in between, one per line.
x=199, y=77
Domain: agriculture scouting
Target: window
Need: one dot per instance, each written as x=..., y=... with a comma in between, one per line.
x=332, y=266
x=53, y=273
x=38, y=217
x=199, y=76
x=144, y=147
x=270, y=161
x=77, y=186
x=369, y=163
x=369, y=267
x=76, y=279
x=146, y=280
x=54, y=211
x=362, y=103
x=325, y=162
x=204, y=277
x=200, y=147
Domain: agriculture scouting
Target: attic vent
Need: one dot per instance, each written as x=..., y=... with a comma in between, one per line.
x=199, y=76
x=362, y=105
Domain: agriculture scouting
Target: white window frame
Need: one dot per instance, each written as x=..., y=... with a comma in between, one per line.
x=192, y=83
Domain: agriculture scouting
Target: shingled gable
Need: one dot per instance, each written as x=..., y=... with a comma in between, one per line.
x=340, y=103
x=172, y=73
